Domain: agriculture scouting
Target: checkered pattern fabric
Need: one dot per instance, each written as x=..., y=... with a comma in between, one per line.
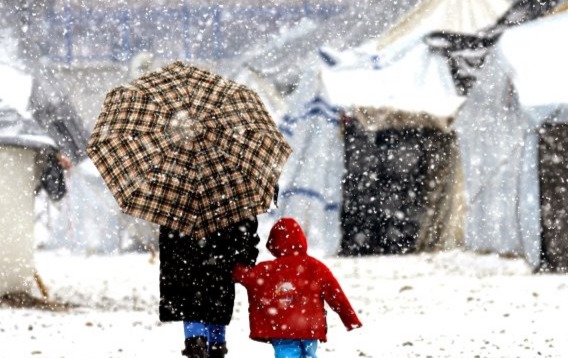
x=188, y=149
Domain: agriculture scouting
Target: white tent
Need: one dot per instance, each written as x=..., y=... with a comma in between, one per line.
x=403, y=75
x=522, y=84
x=273, y=100
x=311, y=180
x=20, y=141
x=90, y=221
x=89, y=218
x=310, y=185
x=16, y=222
x=16, y=90
x=414, y=91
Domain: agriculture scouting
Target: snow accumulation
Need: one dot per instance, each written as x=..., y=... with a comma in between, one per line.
x=17, y=94
x=419, y=81
x=539, y=79
x=446, y=304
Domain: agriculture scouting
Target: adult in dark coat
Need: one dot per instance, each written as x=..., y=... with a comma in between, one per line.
x=196, y=284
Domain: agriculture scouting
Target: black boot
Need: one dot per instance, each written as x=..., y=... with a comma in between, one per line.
x=195, y=347
x=218, y=350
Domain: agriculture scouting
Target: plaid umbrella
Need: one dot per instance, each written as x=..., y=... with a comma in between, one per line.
x=188, y=149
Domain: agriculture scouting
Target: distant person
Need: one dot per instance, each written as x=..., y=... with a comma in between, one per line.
x=287, y=295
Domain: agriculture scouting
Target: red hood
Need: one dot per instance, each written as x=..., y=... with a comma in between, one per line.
x=287, y=239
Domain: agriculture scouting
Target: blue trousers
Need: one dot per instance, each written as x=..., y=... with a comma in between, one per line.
x=295, y=348
x=215, y=333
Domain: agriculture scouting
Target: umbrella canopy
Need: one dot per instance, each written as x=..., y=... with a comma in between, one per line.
x=188, y=149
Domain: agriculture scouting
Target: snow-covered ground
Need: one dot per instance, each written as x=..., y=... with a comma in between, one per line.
x=448, y=304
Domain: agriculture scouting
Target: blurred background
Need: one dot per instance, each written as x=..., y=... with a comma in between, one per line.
x=386, y=104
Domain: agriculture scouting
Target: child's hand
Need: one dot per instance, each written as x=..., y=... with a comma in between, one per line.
x=354, y=326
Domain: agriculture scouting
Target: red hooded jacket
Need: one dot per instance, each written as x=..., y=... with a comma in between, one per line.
x=286, y=295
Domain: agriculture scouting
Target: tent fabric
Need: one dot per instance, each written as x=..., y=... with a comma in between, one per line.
x=407, y=178
x=498, y=134
x=412, y=80
x=523, y=11
x=310, y=184
x=18, y=131
x=460, y=16
x=22, y=144
x=392, y=118
x=311, y=190
x=418, y=81
x=76, y=226
x=560, y=8
x=465, y=53
x=273, y=100
x=54, y=112
x=539, y=79
x=40, y=99
x=17, y=219
x=492, y=130
x=553, y=171
x=16, y=95
x=295, y=51
x=407, y=107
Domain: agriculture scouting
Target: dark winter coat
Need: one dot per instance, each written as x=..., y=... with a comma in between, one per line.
x=196, y=281
x=287, y=294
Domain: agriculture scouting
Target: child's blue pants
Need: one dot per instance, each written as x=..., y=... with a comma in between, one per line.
x=295, y=348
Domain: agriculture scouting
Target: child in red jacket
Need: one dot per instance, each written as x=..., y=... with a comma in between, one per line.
x=286, y=295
